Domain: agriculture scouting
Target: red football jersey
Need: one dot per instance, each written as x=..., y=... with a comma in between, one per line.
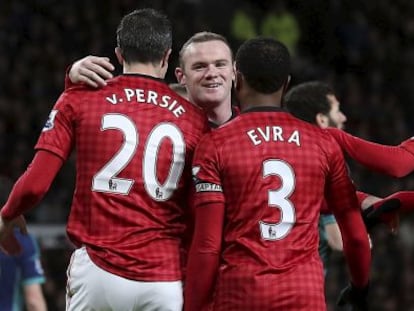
x=272, y=172
x=134, y=142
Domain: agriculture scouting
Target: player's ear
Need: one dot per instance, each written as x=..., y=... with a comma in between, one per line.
x=233, y=76
x=238, y=81
x=286, y=84
x=321, y=120
x=118, y=53
x=165, y=58
x=179, y=75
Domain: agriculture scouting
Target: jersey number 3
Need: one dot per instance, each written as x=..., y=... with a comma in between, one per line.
x=279, y=199
x=106, y=179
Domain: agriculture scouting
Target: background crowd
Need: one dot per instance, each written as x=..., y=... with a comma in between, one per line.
x=365, y=50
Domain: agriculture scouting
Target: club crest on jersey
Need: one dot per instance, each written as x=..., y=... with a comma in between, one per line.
x=159, y=194
x=112, y=185
x=50, y=123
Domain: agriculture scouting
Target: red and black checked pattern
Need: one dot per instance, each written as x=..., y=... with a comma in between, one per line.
x=131, y=234
x=231, y=158
x=242, y=288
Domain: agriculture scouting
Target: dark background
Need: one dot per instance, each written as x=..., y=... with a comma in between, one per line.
x=364, y=49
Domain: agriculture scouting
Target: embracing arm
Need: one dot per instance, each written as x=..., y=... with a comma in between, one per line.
x=91, y=70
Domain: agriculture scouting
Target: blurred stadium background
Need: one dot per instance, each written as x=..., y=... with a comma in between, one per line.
x=365, y=49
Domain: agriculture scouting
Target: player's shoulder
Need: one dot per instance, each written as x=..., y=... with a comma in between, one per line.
x=321, y=137
x=222, y=131
x=75, y=89
x=165, y=90
x=190, y=107
x=312, y=128
x=76, y=94
x=189, y=113
x=82, y=89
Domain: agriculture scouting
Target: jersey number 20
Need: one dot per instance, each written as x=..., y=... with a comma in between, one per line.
x=106, y=179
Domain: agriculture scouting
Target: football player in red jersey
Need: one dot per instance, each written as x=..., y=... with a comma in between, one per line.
x=134, y=142
x=257, y=206
x=315, y=102
x=206, y=69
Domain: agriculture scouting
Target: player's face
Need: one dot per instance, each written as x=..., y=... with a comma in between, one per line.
x=208, y=74
x=336, y=117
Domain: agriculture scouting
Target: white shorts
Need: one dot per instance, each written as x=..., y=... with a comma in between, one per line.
x=90, y=288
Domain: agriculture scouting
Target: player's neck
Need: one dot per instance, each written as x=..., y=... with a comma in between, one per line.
x=144, y=69
x=260, y=100
x=220, y=114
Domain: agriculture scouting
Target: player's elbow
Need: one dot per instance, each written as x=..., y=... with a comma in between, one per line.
x=34, y=193
x=400, y=171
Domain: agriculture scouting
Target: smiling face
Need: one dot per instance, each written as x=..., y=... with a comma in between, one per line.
x=208, y=73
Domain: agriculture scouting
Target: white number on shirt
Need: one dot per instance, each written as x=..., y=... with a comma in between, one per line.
x=155, y=190
x=279, y=199
x=106, y=179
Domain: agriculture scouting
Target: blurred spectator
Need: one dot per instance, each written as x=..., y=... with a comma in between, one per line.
x=278, y=22
x=21, y=278
x=243, y=23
